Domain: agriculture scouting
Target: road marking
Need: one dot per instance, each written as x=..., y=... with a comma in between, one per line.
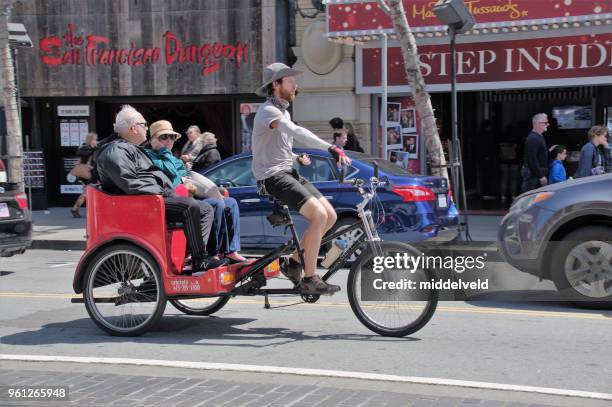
x=474, y=310
x=310, y=372
x=61, y=265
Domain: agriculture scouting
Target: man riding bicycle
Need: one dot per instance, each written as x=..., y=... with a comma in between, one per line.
x=272, y=140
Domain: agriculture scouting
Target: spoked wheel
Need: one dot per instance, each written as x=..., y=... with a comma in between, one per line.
x=389, y=312
x=123, y=290
x=200, y=306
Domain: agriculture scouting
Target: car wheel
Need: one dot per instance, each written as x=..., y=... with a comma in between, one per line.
x=582, y=266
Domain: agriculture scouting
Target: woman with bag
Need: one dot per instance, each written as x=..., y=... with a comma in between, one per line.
x=592, y=159
x=226, y=223
x=82, y=170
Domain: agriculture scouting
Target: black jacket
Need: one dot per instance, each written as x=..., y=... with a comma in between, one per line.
x=536, y=155
x=207, y=157
x=125, y=168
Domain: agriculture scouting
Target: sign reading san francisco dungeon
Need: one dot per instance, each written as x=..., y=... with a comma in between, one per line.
x=94, y=50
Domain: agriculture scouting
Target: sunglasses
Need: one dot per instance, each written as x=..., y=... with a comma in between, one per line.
x=142, y=124
x=543, y=122
x=165, y=137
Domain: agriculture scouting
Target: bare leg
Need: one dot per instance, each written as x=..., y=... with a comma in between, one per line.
x=331, y=214
x=314, y=211
x=79, y=202
x=331, y=220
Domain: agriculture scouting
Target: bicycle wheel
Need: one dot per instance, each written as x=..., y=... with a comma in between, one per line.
x=123, y=290
x=389, y=312
x=200, y=306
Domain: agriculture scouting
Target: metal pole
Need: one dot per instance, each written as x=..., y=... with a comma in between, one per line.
x=28, y=184
x=455, y=158
x=384, y=96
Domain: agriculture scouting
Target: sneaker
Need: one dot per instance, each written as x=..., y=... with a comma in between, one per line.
x=314, y=285
x=292, y=270
x=75, y=213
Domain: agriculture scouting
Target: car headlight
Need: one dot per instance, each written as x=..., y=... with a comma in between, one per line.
x=527, y=201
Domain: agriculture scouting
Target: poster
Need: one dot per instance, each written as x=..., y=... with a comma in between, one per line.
x=74, y=134
x=410, y=145
x=408, y=120
x=402, y=134
x=247, y=117
x=64, y=133
x=83, y=130
x=394, y=137
x=573, y=117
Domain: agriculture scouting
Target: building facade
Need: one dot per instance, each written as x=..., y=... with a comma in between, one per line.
x=522, y=57
x=195, y=62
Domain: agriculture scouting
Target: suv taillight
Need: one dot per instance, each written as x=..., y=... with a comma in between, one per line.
x=414, y=193
x=3, y=175
x=22, y=200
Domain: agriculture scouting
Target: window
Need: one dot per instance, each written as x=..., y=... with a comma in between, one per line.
x=319, y=170
x=236, y=173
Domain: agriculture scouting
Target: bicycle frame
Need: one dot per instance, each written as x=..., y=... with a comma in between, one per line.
x=366, y=223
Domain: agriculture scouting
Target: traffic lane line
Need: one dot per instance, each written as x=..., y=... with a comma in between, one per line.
x=311, y=372
x=494, y=311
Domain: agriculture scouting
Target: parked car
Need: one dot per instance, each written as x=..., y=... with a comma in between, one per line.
x=15, y=221
x=417, y=208
x=563, y=232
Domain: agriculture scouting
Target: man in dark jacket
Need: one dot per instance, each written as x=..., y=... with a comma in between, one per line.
x=535, y=156
x=123, y=167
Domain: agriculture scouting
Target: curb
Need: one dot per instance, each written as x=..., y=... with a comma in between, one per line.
x=312, y=372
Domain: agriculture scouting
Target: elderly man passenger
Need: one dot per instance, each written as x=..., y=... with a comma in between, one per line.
x=124, y=167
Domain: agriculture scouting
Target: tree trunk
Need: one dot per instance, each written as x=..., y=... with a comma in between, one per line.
x=9, y=99
x=429, y=131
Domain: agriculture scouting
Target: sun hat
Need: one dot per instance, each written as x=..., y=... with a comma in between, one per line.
x=272, y=73
x=162, y=127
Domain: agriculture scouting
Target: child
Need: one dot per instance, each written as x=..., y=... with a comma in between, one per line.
x=558, y=154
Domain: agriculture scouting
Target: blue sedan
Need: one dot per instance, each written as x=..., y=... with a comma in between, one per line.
x=417, y=208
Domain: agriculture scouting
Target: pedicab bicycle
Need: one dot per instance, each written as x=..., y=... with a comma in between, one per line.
x=135, y=262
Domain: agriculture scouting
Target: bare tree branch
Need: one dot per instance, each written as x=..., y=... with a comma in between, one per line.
x=384, y=6
x=414, y=76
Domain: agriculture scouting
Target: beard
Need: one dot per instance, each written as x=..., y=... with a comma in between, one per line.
x=287, y=95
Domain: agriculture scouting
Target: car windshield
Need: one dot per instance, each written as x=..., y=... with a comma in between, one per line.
x=383, y=165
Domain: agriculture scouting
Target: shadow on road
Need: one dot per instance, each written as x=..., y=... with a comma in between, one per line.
x=183, y=329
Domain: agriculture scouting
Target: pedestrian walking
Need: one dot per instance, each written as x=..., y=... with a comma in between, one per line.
x=557, y=172
x=85, y=153
x=535, y=158
x=592, y=157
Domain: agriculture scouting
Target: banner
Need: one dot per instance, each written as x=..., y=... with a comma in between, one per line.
x=582, y=59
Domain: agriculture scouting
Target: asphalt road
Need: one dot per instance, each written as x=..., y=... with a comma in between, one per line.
x=518, y=343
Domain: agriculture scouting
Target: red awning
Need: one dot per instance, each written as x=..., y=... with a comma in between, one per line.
x=351, y=21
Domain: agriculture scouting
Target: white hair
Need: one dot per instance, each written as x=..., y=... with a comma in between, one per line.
x=125, y=119
x=537, y=117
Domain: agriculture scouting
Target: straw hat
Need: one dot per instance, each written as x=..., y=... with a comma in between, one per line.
x=162, y=127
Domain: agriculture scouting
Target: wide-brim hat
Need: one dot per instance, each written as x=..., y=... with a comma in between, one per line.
x=274, y=72
x=162, y=127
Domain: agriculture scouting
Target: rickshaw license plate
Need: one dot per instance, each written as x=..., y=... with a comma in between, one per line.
x=442, y=201
x=4, y=210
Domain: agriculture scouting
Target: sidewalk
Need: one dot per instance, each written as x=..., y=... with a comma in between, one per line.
x=123, y=385
x=56, y=229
